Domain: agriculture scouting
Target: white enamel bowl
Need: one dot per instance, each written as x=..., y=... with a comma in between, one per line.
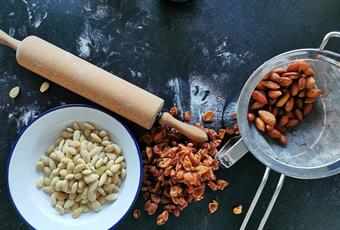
x=33, y=205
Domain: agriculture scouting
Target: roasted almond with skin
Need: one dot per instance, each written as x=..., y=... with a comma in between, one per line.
x=260, y=125
x=293, y=67
x=251, y=117
x=271, y=85
x=269, y=127
x=289, y=105
x=301, y=83
x=310, y=82
x=310, y=100
x=267, y=117
x=294, y=89
x=293, y=123
x=260, y=86
x=307, y=109
x=299, y=103
x=298, y=113
x=275, y=77
x=275, y=111
x=302, y=93
x=259, y=97
x=292, y=75
x=314, y=92
x=285, y=81
x=274, y=93
x=274, y=133
x=272, y=101
x=284, y=120
x=283, y=100
x=256, y=105
x=279, y=71
x=283, y=139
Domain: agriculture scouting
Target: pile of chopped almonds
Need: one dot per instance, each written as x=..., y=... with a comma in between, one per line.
x=176, y=170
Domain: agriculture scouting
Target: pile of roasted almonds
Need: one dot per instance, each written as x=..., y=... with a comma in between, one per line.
x=177, y=171
x=283, y=98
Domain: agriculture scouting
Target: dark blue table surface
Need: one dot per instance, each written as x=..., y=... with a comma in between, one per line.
x=196, y=55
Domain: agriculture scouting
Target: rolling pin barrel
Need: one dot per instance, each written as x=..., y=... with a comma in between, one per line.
x=89, y=81
x=95, y=84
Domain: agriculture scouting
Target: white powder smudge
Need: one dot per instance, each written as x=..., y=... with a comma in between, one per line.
x=84, y=42
x=37, y=12
x=23, y=115
x=174, y=84
x=205, y=95
x=101, y=12
x=231, y=59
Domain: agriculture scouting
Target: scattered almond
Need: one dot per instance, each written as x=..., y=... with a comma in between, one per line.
x=237, y=210
x=213, y=206
x=14, y=92
x=44, y=87
x=208, y=116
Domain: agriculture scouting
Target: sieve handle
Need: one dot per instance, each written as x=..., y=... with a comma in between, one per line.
x=231, y=152
x=333, y=34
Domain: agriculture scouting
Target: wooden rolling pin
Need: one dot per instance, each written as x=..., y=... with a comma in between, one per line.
x=95, y=84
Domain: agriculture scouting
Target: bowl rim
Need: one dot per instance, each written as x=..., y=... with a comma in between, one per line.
x=35, y=118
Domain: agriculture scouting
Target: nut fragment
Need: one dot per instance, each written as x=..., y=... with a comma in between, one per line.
x=237, y=210
x=187, y=116
x=173, y=111
x=208, y=116
x=136, y=213
x=14, y=92
x=213, y=206
x=44, y=87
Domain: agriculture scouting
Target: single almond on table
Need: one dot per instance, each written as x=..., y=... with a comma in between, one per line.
x=14, y=92
x=259, y=97
x=44, y=87
x=260, y=125
x=267, y=117
x=237, y=210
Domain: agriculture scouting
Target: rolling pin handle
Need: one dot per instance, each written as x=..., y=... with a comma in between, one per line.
x=190, y=131
x=7, y=40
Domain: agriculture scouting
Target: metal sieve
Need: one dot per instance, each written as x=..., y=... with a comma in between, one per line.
x=313, y=149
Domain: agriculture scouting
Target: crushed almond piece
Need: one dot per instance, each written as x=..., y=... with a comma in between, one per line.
x=213, y=206
x=136, y=213
x=173, y=111
x=208, y=116
x=187, y=116
x=237, y=210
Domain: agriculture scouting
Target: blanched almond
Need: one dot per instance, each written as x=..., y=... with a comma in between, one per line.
x=14, y=92
x=44, y=87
